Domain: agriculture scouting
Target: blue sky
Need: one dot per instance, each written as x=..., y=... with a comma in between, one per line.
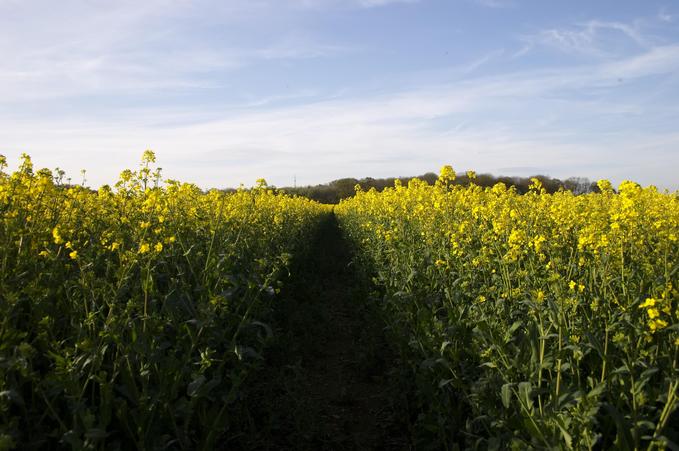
x=230, y=91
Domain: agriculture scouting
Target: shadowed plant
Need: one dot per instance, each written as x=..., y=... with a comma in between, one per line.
x=131, y=317
x=537, y=320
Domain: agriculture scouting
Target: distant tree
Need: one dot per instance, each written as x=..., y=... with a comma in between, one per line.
x=336, y=190
x=429, y=177
x=578, y=185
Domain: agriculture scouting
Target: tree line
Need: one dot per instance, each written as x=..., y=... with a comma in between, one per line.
x=336, y=190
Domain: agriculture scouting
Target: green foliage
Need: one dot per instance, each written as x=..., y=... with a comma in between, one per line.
x=132, y=317
x=529, y=321
x=335, y=191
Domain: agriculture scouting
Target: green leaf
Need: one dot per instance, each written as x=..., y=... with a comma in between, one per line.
x=194, y=386
x=265, y=327
x=444, y=382
x=564, y=433
x=506, y=395
x=514, y=327
x=623, y=438
x=525, y=392
x=96, y=434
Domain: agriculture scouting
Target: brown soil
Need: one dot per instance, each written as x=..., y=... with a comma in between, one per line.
x=332, y=380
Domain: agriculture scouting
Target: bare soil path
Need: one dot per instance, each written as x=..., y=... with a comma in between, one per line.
x=331, y=381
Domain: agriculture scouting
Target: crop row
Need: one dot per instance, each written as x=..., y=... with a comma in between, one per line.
x=131, y=317
x=537, y=320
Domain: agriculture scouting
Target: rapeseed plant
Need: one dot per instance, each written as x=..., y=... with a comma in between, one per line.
x=545, y=320
x=109, y=333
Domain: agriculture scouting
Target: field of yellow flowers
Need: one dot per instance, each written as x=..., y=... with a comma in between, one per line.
x=131, y=316
x=134, y=316
x=529, y=321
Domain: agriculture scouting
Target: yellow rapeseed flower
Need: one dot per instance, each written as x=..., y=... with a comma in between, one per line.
x=649, y=302
x=540, y=296
x=57, y=236
x=657, y=324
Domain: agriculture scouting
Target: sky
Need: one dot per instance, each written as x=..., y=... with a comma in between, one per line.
x=307, y=91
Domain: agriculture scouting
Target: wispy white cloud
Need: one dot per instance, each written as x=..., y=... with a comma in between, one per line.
x=320, y=4
x=657, y=60
x=472, y=66
x=525, y=119
x=495, y=3
x=81, y=48
x=297, y=47
x=664, y=16
x=374, y=3
x=107, y=48
x=404, y=133
x=592, y=38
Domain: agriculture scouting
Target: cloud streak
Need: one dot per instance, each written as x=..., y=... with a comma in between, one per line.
x=592, y=38
x=93, y=84
x=103, y=48
x=411, y=132
x=375, y=3
x=495, y=3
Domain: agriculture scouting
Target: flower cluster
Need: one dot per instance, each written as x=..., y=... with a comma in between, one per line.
x=124, y=310
x=550, y=290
